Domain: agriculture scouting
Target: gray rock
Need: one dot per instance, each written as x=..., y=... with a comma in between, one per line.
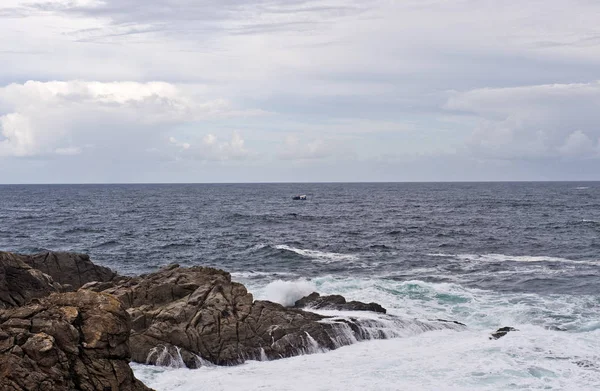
x=501, y=332
x=336, y=302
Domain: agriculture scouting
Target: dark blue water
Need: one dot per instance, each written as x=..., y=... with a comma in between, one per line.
x=521, y=237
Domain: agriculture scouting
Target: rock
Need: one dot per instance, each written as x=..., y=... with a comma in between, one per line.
x=71, y=269
x=67, y=341
x=449, y=321
x=336, y=302
x=501, y=332
x=191, y=316
x=20, y=283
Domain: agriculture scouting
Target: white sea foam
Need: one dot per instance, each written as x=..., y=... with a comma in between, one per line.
x=536, y=357
x=287, y=292
x=316, y=255
x=253, y=274
x=511, y=258
x=532, y=358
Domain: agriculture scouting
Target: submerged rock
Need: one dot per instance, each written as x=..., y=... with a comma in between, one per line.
x=501, y=332
x=190, y=316
x=336, y=302
x=20, y=283
x=67, y=341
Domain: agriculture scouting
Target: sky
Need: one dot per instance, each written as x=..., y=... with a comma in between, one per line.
x=113, y=91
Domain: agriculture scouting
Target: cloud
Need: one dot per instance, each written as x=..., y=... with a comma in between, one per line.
x=532, y=122
x=46, y=118
x=234, y=16
x=296, y=149
x=210, y=148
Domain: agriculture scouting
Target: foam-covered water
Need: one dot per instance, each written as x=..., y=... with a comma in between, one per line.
x=556, y=348
x=489, y=255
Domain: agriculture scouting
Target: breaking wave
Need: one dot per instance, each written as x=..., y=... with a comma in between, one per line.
x=316, y=255
x=511, y=258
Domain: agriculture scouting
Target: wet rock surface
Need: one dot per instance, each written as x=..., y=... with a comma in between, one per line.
x=501, y=332
x=67, y=341
x=177, y=317
x=190, y=316
x=336, y=302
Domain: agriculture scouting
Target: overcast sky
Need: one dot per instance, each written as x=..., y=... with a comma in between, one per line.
x=298, y=90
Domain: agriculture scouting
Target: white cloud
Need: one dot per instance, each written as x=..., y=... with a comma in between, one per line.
x=534, y=121
x=578, y=144
x=296, y=149
x=45, y=118
x=69, y=151
x=211, y=148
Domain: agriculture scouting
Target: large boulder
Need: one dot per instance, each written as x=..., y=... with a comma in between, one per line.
x=67, y=341
x=336, y=302
x=188, y=316
x=20, y=283
x=69, y=268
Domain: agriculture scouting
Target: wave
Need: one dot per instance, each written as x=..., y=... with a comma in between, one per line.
x=108, y=243
x=76, y=230
x=478, y=308
x=322, y=256
x=532, y=359
x=512, y=258
x=258, y=274
x=538, y=356
x=288, y=292
x=174, y=246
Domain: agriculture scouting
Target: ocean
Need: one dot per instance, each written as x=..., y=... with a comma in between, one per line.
x=525, y=255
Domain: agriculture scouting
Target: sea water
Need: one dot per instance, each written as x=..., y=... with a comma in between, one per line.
x=525, y=255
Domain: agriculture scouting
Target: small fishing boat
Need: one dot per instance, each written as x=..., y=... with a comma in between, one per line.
x=299, y=197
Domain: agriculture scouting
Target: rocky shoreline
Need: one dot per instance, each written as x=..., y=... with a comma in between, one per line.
x=68, y=324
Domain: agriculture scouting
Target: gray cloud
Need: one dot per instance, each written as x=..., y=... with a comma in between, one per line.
x=534, y=121
x=196, y=19
x=319, y=89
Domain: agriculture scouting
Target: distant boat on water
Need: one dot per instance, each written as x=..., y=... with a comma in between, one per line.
x=299, y=197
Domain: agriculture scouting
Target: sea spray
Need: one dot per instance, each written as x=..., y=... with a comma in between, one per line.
x=166, y=357
x=288, y=292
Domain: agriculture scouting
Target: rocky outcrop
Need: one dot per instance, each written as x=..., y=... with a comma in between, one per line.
x=20, y=283
x=501, y=332
x=177, y=317
x=190, y=316
x=70, y=269
x=336, y=302
x=67, y=341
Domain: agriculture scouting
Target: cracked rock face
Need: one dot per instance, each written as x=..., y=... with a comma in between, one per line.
x=67, y=341
x=70, y=269
x=20, y=283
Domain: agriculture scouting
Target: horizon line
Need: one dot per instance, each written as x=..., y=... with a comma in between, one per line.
x=291, y=182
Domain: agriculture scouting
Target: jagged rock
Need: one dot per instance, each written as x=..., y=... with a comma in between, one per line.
x=20, y=283
x=187, y=316
x=501, y=332
x=67, y=341
x=449, y=321
x=73, y=269
x=336, y=302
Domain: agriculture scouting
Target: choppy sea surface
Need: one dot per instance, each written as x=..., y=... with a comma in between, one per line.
x=525, y=255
